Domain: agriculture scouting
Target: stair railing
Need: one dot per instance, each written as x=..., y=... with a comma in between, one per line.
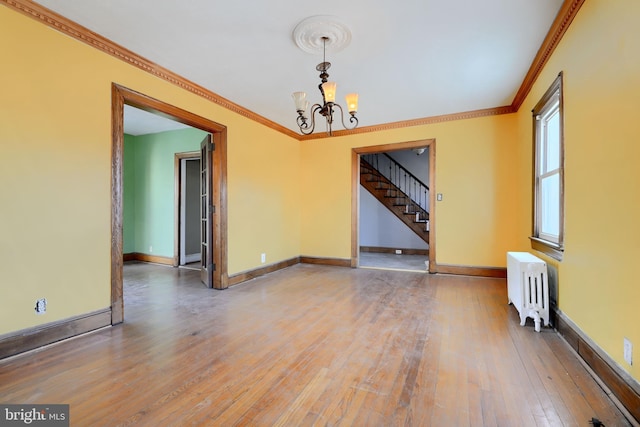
x=408, y=183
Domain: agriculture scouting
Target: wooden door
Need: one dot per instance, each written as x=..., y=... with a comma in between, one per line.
x=206, y=211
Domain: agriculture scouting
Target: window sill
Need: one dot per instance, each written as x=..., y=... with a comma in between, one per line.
x=553, y=250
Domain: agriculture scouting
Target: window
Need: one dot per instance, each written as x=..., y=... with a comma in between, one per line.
x=548, y=206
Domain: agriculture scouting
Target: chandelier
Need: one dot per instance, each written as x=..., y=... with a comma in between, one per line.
x=329, y=109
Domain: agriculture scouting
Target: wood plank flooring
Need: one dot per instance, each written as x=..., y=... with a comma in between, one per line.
x=313, y=345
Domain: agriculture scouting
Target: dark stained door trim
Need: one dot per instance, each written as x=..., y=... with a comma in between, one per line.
x=355, y=199
x=119, y=97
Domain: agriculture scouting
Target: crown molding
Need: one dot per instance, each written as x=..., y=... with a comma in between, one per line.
x=507, y=109
x=58, y=22
x=565, y=16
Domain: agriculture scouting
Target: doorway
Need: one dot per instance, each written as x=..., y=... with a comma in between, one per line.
x=367, y=251
x=218, y=239
x=187, y=175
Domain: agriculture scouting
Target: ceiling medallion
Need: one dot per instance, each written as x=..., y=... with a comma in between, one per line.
x=309, y=34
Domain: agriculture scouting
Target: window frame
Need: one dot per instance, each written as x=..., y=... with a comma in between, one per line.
x=547, y=244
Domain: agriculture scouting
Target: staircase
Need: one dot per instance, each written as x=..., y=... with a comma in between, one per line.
x=398, y=190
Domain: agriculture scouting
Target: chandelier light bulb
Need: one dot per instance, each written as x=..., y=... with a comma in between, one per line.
x=352, y=102
x=300, y=100
x=329, y=90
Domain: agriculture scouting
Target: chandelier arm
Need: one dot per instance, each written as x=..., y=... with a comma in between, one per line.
x=301, y=121
x=306, y=129
x=353, y=119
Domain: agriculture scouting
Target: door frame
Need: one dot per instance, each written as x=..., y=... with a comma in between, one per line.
x=355, y=193
x=120, y=96
x=178, y=164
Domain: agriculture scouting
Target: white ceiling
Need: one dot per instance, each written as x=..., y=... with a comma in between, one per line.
x=139, y=122
x=407, y=59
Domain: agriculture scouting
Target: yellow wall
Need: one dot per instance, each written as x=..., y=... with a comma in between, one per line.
x=55, y=139
x=263, y=195
x=598, y=279
x=475, y=159
x=55, y=142
x=56, y=230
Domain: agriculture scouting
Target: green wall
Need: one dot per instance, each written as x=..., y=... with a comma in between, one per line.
x=149, y=222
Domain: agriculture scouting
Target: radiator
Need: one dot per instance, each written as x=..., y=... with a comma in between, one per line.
x=528, y=287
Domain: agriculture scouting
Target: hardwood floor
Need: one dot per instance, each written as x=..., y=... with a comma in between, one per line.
x=313, y=345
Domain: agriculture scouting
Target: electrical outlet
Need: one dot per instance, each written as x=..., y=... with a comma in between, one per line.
x=628, y=351
x=150, y=249
x=439, y=197
x=398, y=251
x=263, y=258
x=41, y=306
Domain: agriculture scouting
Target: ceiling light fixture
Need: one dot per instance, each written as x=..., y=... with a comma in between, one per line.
x=327, y=89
